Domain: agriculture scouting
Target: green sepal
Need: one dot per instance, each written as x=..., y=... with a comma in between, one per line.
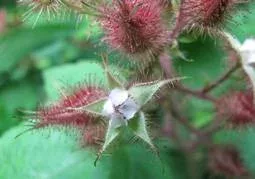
x=143, y=92
x=113, y=82
x=111, y=134
x=139, y=128
x=94, y=108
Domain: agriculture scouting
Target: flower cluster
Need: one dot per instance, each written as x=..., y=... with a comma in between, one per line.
x=140, y=29
x=90, y=106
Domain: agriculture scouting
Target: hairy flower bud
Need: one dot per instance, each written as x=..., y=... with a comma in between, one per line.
x=63, y=112
x=237, y=108
x=226, y=160
x=134, y=27
x=205, y=15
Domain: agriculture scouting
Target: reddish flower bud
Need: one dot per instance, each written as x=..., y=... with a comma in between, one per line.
x=225, y=160
x=237, y=108
x=2, y=20
x=62, y=114
x=134, y=26
x=205, y=15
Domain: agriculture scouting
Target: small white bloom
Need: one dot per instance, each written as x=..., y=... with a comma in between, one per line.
x=118, y=96
x=119, y=107
x=108, y=108
x=247, y=54
x=247, y=51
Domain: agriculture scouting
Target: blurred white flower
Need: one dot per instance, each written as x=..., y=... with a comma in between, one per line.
x=247, y=52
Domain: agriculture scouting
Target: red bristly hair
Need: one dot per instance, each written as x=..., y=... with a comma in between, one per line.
x=203, y=15
x=63, y=113
x=134, y=27
x=237, y=108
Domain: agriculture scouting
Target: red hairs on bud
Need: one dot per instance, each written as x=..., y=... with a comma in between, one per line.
x=204, y=15
x=226, y=160
x=2, y=20
x=134, y=26
x=237, y=108
x=62, y=113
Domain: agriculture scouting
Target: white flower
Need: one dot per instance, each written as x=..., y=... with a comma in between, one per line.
x=247, y=51
x=247, y=54
x=119, y=107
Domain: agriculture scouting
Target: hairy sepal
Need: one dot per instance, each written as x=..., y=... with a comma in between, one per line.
x=143, y=92
x=139, y=127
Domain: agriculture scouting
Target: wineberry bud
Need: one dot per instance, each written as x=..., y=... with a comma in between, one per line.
x=237, y=108
x=134, y=27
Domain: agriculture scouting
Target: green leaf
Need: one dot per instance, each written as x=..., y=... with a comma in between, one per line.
x=243, y=26
x=205, y=65
x=47, y=154
x=65, y=76
x=18, y=43
x=243, y=139
x=137, y=162
x=14, y=96
x=246, y=147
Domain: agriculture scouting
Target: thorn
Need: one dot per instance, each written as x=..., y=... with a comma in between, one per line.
x=23, y=132
x=99, y=154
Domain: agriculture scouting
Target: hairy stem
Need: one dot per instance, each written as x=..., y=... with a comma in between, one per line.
x=223, y=78
x=197, y=94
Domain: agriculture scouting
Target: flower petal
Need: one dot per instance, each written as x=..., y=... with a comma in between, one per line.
x=118, y=96
x=128, y=109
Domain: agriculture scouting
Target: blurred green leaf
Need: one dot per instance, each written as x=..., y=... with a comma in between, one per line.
x=207, y=65
x=243, y=139
x=137, y=162
x=46, y=154
x=18, y=43
x=207, y=62
x=50, y=153
x=70, y=75
x=242, y=25
x=246, y=147
x=18, y=95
